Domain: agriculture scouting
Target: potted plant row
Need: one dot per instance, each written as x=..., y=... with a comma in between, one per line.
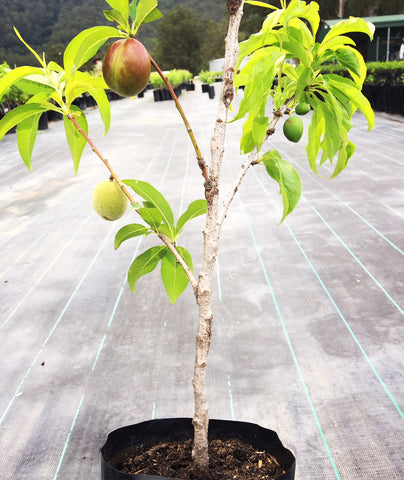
x=178, y=79
x=208, y=78
x=270, y=81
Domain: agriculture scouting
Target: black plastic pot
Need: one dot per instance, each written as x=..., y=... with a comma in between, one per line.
x=177, y=429
x=205, y=87
x=211, y=91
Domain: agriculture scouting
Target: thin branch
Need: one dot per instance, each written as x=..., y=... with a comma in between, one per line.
x=250, y=161
x=201, y=162
x=232, y=192
x=102, y=158
x=164, y=239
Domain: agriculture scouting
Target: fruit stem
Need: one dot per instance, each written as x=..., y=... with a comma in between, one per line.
x=201, y=162
x=103, y=159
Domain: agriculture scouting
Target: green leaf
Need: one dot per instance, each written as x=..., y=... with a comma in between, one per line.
x=121, y=5
x=132, y=9
x=27, y=130
x=150, y=194
x=145, y=263
x=336, y=84
x=153, y=15
x=83, y=82
x=287, y=178
x=263, y=63
x=247, y=142
x=40, y=60
x=352, y=60
x=259, y=130
x=129, y=231
x=17, y=115
x=174, y=278
x=116, y=16
x=353, y=24
x=85, y=45
x=195, y=209
x=26, y=135
x=75, y=139
x=151, y=216
x=12, y=77
x=33, y=84
x=145, y=13
x=104, y=107
x=345, y=153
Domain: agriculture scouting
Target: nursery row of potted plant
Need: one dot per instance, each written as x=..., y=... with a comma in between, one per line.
x=179, y=80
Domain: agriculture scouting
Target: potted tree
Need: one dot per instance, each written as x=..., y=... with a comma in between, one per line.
x=287, y=34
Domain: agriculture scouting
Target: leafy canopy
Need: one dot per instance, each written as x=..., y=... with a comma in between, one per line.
x=282, y=67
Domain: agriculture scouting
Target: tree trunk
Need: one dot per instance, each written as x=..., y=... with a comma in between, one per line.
x=211, y=244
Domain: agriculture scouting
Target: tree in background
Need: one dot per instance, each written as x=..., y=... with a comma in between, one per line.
x=181, y=34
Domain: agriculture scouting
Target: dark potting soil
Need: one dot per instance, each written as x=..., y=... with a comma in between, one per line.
x=228, y=459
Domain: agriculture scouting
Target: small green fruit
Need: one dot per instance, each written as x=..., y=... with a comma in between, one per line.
x=126, y=67
x=109, y=201
x=293, y=129
x=302, y=108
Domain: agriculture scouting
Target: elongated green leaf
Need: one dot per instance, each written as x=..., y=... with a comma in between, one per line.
x=121, y=6
x=104, y=107
x=75, y=139
x=262, y=64
x=145, y=263
x=26, y=135
x=349, y=89
x=287, y=178
x=85, y=45
x=314, y=134
x=353, y=24
x=132, y=9
x=345, y=153
x=152, y=16
x=27, y=130
x=33, y=84
x=17, y=115
x=14, y=75
x=95, y=86
x=151, y=216
x=195, y=209
x=150, y=194
x=174, y=278
x=144, y=8
x=352, y=60
x=116, y=16
x=129, y=231
x=40, y=60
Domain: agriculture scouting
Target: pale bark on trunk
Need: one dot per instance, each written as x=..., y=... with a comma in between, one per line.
x=211, y=243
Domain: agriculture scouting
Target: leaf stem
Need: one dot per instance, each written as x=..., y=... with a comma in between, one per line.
x=201, y=162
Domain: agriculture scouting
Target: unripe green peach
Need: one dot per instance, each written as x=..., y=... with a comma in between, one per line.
x=293, y=129
x=302, y=108
x=126, y=67
x=109, y=201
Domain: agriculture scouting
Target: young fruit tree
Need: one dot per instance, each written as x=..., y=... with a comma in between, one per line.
x=282, y=76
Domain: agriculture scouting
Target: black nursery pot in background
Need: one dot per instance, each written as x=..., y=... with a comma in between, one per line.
x=179, y=429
